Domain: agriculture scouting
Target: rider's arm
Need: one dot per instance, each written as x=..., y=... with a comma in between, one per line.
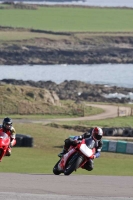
x=98, y=150
x=87, y=134
x=13, y=133
x=13, y=136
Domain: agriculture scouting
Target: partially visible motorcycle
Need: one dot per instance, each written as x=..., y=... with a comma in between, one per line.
x=76, y=157
x=4, y=144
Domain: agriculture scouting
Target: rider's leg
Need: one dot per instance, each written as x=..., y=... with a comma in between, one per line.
x=8, y=152
x=89, y=165
x=68, y=143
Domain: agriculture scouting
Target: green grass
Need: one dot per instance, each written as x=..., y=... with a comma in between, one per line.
x=31, y=160
x=52, y=112
x=48, y=143
x=70, y=19
x=126, y=121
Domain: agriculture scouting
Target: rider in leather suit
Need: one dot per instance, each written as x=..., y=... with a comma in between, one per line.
x=10, y=130
x=95, y=134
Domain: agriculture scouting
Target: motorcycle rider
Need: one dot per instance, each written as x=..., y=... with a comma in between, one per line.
x=10, y=131
x=95, y=134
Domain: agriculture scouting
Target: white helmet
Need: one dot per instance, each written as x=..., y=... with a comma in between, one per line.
x=97, y=133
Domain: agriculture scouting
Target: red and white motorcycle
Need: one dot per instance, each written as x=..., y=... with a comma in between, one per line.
x=76, y=157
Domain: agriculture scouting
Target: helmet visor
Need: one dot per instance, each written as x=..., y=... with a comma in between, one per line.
x=97, y=137
x=8, y=125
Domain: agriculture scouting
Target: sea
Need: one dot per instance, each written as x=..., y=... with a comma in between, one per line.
x=101, y=3
x=108, y=74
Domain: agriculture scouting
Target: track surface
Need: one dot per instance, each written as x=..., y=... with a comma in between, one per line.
x=74, y=187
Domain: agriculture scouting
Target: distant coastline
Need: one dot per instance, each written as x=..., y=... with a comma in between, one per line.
x=88, y=92
x=101, y=3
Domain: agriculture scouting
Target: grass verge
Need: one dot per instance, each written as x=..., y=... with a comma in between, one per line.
x=69, y=19
x=48, y=142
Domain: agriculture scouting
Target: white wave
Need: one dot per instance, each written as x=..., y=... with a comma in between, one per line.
x=119, y=95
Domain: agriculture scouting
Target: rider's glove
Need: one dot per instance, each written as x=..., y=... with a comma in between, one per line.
x=93, y=157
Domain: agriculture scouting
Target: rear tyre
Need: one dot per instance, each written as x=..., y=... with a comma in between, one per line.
x=73, y=164
x=55, y=169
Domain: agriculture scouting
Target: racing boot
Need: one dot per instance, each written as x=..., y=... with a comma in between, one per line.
x=64, y=151
x=8, y=152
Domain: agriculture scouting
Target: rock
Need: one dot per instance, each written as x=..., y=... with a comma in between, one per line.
x=66, y=48
x=72, y=89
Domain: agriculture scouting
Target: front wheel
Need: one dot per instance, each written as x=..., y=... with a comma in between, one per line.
x=73, y=164
x=55, y=169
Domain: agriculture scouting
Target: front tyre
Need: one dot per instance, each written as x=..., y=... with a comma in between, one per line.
x=55, y=169
x=73, y=164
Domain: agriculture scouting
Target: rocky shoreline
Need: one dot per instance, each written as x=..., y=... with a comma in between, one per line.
x=78, y=91
x=66, y=48
x=20, y=55
x=47, y=47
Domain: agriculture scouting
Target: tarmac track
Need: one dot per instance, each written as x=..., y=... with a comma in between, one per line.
x=74, y=187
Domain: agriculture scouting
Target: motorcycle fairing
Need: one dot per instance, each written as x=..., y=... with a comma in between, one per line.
x=90, y=143
x=64, y=159
x=85, y=150
x=4, y=140
x=4, y=143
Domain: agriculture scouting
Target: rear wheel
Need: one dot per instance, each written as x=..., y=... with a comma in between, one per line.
x=55, y=169
x=73, y=164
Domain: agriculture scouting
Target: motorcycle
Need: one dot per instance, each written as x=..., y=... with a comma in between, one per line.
x=76, y=157
x=4, y=144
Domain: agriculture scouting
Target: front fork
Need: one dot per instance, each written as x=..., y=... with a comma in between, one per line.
x=85, y=159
